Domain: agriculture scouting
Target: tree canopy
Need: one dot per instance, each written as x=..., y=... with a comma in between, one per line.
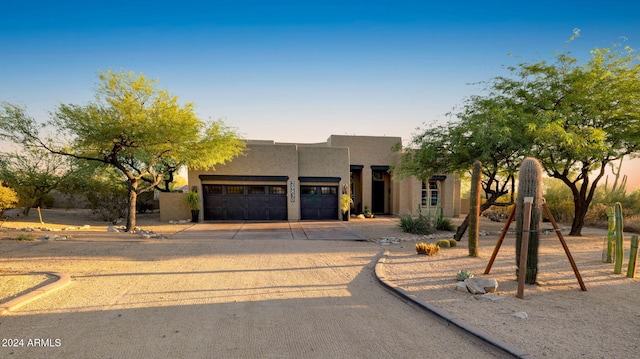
x=575, y=118
x=33, y=173
x=580, y=117
x=485, y=131
x=142, y=131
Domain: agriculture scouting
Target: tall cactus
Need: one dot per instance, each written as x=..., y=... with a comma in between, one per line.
x=617, y=269
x=611, y=230
x=529, y=185
x=633, y=257
x=474, y=208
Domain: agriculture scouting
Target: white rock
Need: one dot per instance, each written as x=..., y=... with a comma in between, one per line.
x=461, y=287
x=521, y=315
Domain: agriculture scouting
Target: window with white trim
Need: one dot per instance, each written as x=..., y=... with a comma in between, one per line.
x=430, y=194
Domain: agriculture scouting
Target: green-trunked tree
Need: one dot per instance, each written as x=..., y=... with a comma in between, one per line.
x=133, y=126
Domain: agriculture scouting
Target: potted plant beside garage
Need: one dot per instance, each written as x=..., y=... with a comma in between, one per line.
x=345, y=205
x=193, y=201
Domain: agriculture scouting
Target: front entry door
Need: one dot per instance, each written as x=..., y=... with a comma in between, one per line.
x=377, y=200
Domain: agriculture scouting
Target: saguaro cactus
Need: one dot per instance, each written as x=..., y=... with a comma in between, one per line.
x=617, y=269
x=474, y=208
x=529, y=185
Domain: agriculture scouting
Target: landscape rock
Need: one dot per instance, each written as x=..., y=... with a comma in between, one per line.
x=491, y=296
x=521, y=315
x=461, y=287
x=481, y=285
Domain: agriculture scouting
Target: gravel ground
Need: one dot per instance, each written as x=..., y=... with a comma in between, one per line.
x=561, y=320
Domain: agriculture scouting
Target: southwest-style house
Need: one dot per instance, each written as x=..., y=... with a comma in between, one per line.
x=291, y=181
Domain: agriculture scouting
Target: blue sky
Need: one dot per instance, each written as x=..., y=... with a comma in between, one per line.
x=295, y=71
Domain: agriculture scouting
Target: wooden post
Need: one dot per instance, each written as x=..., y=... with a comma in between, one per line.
x=40, y=216
x=500, y=240
x=524, y=246
x=564, y=246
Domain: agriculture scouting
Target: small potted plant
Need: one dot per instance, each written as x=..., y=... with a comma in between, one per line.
x=367, y=213
x=193, y=201
x=345, y=205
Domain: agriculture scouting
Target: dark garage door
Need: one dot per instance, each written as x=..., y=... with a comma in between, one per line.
x=245, y=202
x=318, y=202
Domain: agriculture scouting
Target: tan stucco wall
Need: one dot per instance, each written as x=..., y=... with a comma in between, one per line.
x=367, y=150
x=173, y=207
x=260, y=159
x=370, y=151
x=332, y=159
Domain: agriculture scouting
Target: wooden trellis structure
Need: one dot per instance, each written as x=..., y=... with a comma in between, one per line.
x=525, y=246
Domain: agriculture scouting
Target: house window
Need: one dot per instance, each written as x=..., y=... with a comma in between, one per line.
x=329, y=190
x=308, y=189
x=278, y=189
x=430, y=195
x=212, y=189
x=256, y=189
x=235, y=189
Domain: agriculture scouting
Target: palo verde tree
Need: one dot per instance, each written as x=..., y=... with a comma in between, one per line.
x=483, y=131
x=580, y=117
x=33, y=173
x=133, y=126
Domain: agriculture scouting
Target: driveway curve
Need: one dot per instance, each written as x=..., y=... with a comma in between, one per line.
x=226, y=298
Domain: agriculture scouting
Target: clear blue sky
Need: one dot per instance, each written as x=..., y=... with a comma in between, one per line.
x=294, y=71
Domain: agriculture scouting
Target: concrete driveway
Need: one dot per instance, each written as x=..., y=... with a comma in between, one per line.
x=194, y=297
x=270, y=230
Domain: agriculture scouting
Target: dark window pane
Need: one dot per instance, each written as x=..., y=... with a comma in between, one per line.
x=256, y=189
x=235, y=189
x=212, y=189
x=328, y=190
x=308, y=189
x=277, y=189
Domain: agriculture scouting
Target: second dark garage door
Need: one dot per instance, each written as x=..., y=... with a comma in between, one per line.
x=245, y=202
x=318, y=202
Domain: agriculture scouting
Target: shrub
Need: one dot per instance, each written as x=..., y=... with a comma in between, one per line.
x=108, y=200
x=453, y=243
x=8, y=198
x=559, y=200
x=417, y=225
x=24, y=237
x=443, y=243
x=463, y=274
x=443, y=224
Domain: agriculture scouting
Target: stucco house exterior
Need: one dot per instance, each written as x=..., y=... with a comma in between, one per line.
x=292, y=181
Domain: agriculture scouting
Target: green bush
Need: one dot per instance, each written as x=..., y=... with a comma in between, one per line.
x=415, y=225
x=453, y=243
x=443, y=224
x=559, y=200
x=25, y=237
